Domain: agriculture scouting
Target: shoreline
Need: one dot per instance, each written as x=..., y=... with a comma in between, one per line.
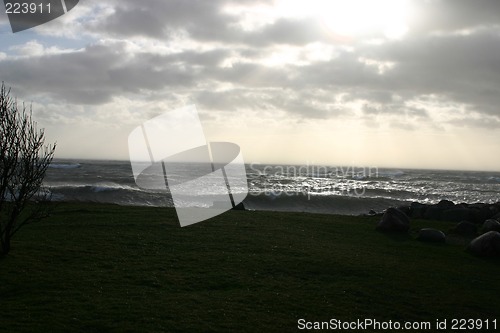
x=444, y=210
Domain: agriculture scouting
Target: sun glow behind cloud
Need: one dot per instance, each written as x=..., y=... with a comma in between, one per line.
x=354, y=18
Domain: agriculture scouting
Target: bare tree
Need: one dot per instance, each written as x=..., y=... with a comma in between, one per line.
x=24, y=159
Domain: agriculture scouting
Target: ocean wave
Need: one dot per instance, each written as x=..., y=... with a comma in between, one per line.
x=390, y=173
x=110, y=193
x=493, y=179
x=96, y=188
x=64, y=165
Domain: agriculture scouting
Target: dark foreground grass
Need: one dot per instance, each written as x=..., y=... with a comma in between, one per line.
x=106, y=268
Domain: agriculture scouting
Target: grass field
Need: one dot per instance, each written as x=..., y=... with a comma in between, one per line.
x=106, y=268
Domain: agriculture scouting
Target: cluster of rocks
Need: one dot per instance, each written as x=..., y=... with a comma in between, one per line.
x=447, y=210
x=473, y=219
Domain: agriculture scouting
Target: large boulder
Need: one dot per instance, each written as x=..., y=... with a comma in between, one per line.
x=405, y=209
x=486, y=245
x=446, y=210
x=433, y=212
x=479, y=212
x=456, y=214
x=394, y=220
x=465, y=228
x=493, y=210
x=445, y=204
x=431, y=235
x=490, y=225
x=487, y=212
x=417, y=210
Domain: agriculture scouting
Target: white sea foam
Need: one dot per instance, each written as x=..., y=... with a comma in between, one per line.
x=345, y=190
x=64, y=165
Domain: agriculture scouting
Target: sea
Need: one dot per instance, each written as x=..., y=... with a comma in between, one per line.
x=349, y=190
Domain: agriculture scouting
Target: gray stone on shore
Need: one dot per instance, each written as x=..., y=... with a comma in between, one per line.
x=486, y=245
x=490, y=225
x=445, y=204
x=433, y=213
x=394, y=220
x=496, y=217
x=456, y=214
x=431, y=235
x=417, y=210
x=465, y=228
x=404, y=209
x=446, y=210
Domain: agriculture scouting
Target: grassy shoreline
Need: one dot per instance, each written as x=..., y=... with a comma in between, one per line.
x=109, y=268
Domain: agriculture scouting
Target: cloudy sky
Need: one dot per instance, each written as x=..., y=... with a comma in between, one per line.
x=396, y=83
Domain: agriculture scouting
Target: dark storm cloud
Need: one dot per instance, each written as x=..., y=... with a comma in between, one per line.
x=463, y=68
x=399, y=108
x=158, y=18
x=377, y=96
x=99, y=72
x=312, y=104
x=286, y=31
x=206, y=19
x=457, y=68
x=253, y=75
x=139, y=22
x=206, y=22
x=446, y=15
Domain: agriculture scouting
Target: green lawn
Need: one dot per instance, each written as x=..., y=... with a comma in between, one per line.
x=106, y=268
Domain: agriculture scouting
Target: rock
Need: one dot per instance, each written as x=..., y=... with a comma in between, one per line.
x=446, y=210
x=445, y=204
x=456, y=214
x=496, y=217
x=496, y=209
x=394, y=220
x=492, y=210
x=417, y=210
x=486, y=245
x=465, y=228
x=477, y=205
x=405, y=209
x=478, y=214
x=431, y=235
x=487, y=212
x=490, y=225
x=433, y=213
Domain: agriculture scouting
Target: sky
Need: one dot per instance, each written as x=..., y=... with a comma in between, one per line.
x=386, y=83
